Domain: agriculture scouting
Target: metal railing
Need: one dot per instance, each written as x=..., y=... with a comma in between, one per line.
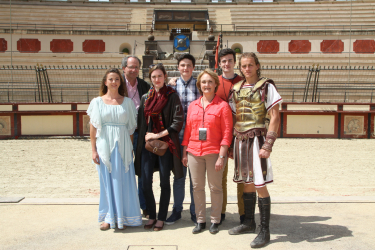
x=185, y=1
x=323, y=84
x=81, y=83
x=165, y=27
x=94, y=27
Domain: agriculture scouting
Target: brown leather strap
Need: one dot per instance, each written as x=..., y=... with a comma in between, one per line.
x=251, y=158
x=237, y=155
x=263, y=161
x=243, y=155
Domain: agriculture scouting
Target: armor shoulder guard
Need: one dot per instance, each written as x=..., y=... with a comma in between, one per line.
x=261, y=83
x=237, y=86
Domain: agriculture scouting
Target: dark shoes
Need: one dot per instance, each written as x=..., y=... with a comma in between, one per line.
x=263, y=236
x=175, y=216
x=243, y=228
x=247, y=220
x=199, y=228
x=214, y=229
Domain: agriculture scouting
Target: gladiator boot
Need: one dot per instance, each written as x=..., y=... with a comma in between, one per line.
x=248, y=225
x=263, y=236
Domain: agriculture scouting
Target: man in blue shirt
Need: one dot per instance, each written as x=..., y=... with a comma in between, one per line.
x=187, y=90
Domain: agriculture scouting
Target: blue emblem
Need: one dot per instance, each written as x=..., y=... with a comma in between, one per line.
x=181, y=42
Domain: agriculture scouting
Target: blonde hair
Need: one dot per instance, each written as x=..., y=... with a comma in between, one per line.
x=210, y=73
x=249, y=55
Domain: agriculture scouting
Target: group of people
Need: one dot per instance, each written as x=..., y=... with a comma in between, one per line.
x=202, y=122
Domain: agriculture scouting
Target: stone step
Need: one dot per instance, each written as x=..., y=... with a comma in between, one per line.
x=330, y=9
x=62, y=11
x=305, y=7
x=310, y=23
x=303, y=17
x=68, y=9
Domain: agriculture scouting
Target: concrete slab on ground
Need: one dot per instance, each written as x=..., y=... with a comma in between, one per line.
x=293, y=226
x=11, y=199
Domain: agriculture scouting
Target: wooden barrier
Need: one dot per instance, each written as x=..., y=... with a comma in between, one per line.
x=298, y=120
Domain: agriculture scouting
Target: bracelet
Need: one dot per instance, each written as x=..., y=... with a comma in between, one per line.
x=267, y=147
x=269, y=141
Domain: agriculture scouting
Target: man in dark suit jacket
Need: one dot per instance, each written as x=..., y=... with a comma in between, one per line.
x=131, y=66
x=136, y=88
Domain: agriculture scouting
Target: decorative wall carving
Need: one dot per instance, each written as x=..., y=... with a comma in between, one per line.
x=364, y=46
x=25, y=45
x=3, y=45
x=299, y=46
x=86, y=124
x=61, y=46
x=268, y=46
x=354, y=125
x=5, y=125
x=93, y=46
x=332, y=46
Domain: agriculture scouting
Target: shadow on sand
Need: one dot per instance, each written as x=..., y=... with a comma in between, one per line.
x=296, y=229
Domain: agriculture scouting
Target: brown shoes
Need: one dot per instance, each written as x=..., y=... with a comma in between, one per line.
x=149, y=226
x=104, y=226
x=152, y=225
x=156, y=228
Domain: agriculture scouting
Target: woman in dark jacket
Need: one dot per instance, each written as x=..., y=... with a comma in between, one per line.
x=161, y=111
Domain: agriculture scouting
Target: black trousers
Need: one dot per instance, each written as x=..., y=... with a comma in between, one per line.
x=148, y=162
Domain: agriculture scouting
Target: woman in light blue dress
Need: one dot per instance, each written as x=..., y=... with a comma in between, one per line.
x=112, y=124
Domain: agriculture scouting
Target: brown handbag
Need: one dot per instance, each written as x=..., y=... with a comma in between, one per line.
x=157, y=147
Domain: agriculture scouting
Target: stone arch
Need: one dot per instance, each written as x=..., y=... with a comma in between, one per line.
x=125, y=46
x=237, y=46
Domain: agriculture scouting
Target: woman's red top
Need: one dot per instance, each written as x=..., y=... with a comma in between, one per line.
x=218, y=121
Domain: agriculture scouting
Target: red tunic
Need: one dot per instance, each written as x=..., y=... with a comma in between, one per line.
x=225, y=86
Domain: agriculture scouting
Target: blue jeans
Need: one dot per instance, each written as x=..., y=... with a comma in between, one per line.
x=148, y=162
x=179, y=191
x=142, y=201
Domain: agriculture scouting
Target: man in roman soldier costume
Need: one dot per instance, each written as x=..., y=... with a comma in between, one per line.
x=255, y=102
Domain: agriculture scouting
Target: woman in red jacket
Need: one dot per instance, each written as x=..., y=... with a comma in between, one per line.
x=207, y=136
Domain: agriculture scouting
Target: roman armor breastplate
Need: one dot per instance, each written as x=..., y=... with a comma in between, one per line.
x=250, y=110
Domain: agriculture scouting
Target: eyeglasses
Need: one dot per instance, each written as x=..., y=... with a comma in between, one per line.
x=153, y=65
x=132, y=67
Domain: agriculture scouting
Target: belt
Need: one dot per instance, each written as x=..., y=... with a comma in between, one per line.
x=113, y=124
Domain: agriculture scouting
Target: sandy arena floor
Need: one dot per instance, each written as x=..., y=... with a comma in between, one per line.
x=61, y=168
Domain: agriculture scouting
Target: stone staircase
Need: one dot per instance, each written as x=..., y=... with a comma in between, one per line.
x=65, y=14
x=303, y=14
